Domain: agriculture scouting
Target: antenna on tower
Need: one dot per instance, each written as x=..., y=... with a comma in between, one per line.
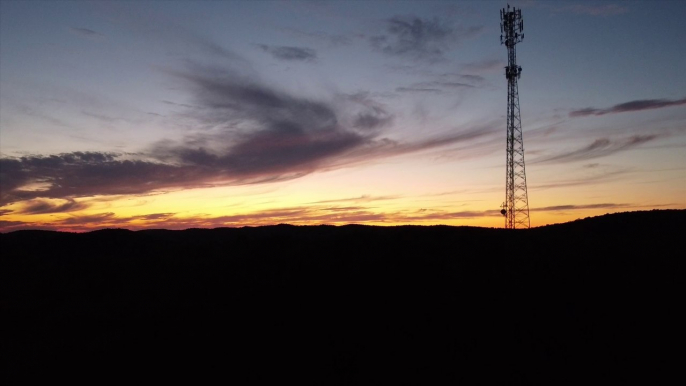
x=516, y=205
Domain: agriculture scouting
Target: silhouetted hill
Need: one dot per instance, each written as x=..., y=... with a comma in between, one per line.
x=590, y=301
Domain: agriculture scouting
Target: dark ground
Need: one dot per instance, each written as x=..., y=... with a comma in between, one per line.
x=594, y=301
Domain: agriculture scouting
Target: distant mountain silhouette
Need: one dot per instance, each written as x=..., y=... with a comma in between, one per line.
x=595, y=301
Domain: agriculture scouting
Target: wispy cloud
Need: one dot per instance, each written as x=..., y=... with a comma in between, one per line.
x=100, y=218
x=319, y=36
x=423, y=39
x=43, y=206
x=279, y=134
x=154, y=216
x=85, y=32
x=419, y=89
x=557, y=208
x=290, y=53
x=599, y=148
x=298, y=215
x=637, y=105
x=8, y=226
x=359, y=199
x=486, y=65
x=436, y=87
x=598, y=177
x=593, y=9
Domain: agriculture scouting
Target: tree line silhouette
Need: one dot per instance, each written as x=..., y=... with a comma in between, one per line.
x=590, y=300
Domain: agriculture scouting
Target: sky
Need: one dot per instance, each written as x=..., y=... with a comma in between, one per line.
x=205, y=114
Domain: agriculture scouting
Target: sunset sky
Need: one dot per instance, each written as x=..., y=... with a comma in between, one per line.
x=179, y=114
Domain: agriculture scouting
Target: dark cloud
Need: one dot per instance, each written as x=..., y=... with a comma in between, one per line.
x=290, y=53
x=42, y=206
x=368, y=114
x=258, y=134
x=599, y=148
x=424, y=39
x=284, y=137
x=5, y=211
x=279, y=134
x=638, y=105
x=372, y=120
x=81, y=174
x=8, y=226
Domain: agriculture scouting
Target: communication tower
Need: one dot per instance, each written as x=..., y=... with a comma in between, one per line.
x=516, y=205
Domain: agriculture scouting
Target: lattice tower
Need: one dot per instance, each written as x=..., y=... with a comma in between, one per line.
x=516, y=205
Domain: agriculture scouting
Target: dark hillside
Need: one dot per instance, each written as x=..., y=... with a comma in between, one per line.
x=590, y=301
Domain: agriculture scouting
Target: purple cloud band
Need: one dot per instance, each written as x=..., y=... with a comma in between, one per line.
x=638, y=105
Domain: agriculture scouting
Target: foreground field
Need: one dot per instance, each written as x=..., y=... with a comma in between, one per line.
x=592, y=301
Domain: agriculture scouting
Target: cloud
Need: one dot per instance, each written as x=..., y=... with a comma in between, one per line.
x=89, y=33
x=417, y=89
x=168, y=34
x=43, y=206
x=8, y=226
x=104, y=118
x=435, y=87
x=359, y=199
x=594, y=9
x=471, y=78
x=80, y=174
x=331, y=40
x=278, y=134
x=486, y=65
x=368, y=114
x=243, y=132
x=558, y=208
x=178, y=104
x=594, y=179
x=154, y=216
x=417, y=38
x=599, y=148
x=290, y=53
x=89, y=219
x=298, y=215
x=638, y=105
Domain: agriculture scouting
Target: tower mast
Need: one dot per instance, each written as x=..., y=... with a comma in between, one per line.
x=516, y=205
